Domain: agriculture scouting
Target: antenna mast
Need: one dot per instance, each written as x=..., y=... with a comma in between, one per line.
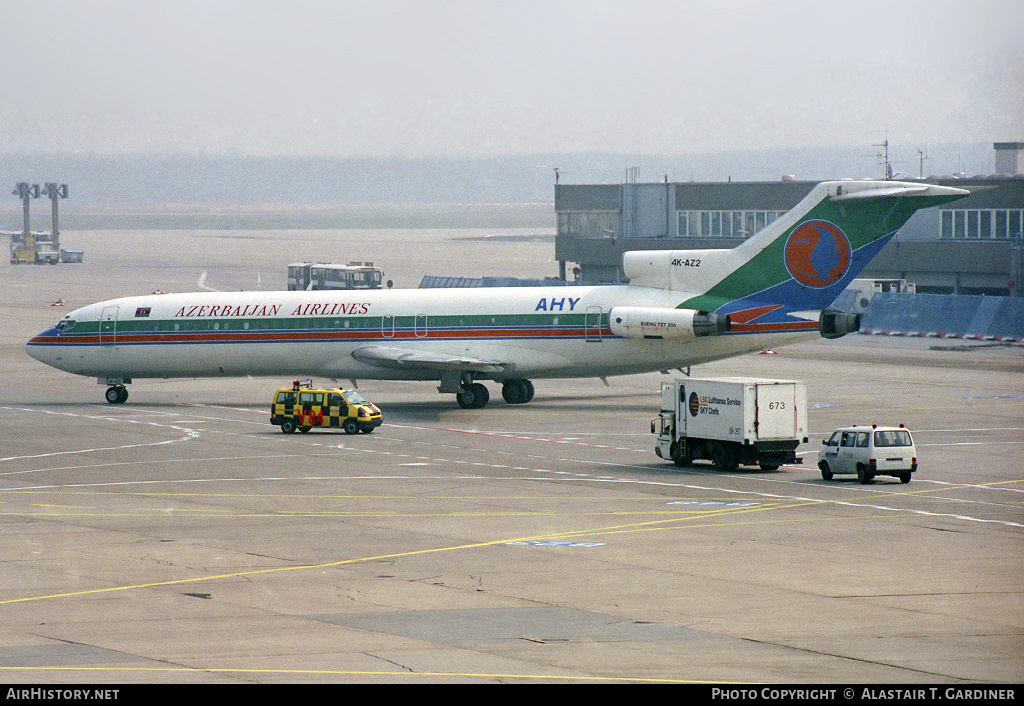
x=885, y=154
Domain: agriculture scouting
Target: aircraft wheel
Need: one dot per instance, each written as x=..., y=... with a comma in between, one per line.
x=117, y=395
x=475, y=396
x=517, y=391
x=288, y=426
x=351, y=426
x=529, y=390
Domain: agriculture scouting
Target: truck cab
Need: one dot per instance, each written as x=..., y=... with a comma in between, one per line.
x=303, y=406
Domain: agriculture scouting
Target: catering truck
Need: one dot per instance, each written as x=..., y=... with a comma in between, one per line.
x=731, y=421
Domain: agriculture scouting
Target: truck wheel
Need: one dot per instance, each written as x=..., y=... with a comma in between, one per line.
x=351, y=426
x=679, y=457
x=288, y=426
x=723, y=458
x=826, y=472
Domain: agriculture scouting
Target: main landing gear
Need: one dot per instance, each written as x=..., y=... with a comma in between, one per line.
x=473, y=395
x=517, y=391
x=117, y=394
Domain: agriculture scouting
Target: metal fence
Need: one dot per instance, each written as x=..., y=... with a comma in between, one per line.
x=938, y=315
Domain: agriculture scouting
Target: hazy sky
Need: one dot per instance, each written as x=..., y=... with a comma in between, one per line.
x=466, y=77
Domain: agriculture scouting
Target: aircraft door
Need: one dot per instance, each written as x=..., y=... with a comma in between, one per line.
x=108, y=326
x=387, y=326
x=592, y=324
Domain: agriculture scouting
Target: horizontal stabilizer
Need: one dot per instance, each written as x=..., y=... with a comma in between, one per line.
x=855, y=191
x=406, y=358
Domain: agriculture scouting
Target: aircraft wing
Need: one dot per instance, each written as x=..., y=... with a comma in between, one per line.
x=406, y=358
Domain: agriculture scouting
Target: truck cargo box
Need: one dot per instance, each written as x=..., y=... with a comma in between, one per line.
x=731, y=421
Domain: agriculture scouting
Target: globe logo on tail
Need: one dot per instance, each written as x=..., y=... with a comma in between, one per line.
x=817, y=254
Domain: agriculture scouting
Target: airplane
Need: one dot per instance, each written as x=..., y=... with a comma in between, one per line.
x=680, y=308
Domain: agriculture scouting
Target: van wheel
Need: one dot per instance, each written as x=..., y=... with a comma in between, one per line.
x=288, y=426
x=862, y=474
x=905, y=477
x=305, y=430
x=826, y=472
x=351, y=426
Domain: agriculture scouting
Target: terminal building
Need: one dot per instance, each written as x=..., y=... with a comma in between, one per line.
x=972, y=246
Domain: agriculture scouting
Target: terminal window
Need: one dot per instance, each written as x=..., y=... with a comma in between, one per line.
x=589, y=224
x=723, y=224
x=981, y=224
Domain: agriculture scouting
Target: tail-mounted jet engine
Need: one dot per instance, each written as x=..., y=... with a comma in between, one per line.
x=653, y=322
x=835, y=324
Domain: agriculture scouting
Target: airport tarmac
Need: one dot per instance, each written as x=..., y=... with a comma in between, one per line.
x=180, y=538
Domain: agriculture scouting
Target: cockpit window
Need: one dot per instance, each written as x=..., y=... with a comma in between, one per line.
x=65, y=325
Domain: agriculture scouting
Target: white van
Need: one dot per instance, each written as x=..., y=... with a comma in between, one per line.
x=869, y=452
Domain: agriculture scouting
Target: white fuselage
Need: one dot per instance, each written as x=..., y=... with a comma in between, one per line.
x=538, y=332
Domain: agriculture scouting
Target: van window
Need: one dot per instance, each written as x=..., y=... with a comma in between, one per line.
x=833, y=440
x=896, y=437
x=849, y=438
x=862, y=439
x=334, y=399
x=286, y=397
x=311, y=398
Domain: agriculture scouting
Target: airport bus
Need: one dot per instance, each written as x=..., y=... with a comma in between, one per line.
x=324, y=275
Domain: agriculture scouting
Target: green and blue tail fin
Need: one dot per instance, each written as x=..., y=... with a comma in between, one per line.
x=796, y=265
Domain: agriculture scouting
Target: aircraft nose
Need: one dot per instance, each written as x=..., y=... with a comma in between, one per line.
x=38, y=346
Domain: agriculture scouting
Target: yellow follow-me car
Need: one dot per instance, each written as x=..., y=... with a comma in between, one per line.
x=303, y=407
